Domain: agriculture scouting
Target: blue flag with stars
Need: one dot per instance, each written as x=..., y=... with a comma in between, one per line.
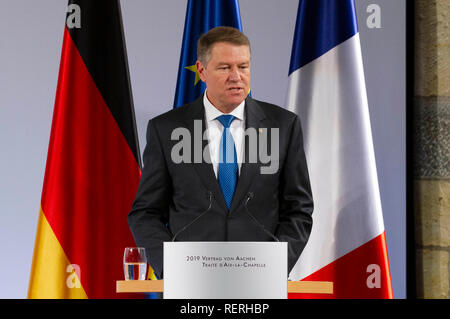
x=201, y=16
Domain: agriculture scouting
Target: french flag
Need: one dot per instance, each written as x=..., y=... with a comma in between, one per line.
x=327, y=90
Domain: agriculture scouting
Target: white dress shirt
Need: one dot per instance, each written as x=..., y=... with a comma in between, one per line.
x=214, y=130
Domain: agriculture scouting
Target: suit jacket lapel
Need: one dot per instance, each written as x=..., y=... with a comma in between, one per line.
x=254, y=118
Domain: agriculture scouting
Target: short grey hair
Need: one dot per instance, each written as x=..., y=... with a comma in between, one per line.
x=219, y=34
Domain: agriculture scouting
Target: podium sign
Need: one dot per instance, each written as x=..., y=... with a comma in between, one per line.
x=225, y=270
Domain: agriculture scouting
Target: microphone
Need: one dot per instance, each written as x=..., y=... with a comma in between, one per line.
x=249, y=197
x=210, y=196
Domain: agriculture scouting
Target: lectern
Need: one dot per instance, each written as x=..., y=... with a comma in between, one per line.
x=225, y=270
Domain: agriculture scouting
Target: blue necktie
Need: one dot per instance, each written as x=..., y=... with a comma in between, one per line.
x=228, y=167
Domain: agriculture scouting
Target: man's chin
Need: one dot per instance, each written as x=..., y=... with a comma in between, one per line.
x=236, y=101
x=236, y=98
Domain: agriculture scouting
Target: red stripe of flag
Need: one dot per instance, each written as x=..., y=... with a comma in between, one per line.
x=363, y=272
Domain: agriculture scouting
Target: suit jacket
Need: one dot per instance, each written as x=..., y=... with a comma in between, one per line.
x=171, y=195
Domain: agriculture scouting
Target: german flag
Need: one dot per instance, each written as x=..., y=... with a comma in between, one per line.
x=93, y=162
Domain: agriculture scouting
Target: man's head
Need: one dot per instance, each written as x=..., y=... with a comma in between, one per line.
x=224, y=65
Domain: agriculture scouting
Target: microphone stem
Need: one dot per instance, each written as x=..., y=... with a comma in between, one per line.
x=195, y=219
x=256, y=221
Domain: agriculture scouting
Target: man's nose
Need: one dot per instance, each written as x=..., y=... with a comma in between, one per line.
x=234, y=74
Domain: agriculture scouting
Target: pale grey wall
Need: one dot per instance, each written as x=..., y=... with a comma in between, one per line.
x=30, y=48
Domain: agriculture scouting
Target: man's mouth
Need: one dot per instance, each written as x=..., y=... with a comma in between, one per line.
x=235, y=89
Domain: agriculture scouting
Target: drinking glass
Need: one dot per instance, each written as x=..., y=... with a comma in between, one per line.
x=134, y=263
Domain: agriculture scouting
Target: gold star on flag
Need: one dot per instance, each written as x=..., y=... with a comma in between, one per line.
x=193, y=68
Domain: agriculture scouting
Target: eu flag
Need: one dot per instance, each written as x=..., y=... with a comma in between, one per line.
x=201, y=16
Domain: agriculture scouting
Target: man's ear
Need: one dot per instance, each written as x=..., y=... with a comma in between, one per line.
x=200, y=70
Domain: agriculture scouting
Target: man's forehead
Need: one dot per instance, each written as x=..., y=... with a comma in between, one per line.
x=219, y=45
x=218, y=52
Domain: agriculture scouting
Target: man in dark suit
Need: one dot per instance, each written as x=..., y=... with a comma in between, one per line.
x=225, y=167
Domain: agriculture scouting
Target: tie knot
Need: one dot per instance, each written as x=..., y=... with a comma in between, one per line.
x=226, y=120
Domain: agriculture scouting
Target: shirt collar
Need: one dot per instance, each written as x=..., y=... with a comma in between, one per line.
x=212, y=113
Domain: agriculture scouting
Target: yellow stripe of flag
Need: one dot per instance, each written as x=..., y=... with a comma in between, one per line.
x=52, y=274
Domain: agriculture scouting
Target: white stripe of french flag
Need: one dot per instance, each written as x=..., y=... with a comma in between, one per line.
x=327, y=90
